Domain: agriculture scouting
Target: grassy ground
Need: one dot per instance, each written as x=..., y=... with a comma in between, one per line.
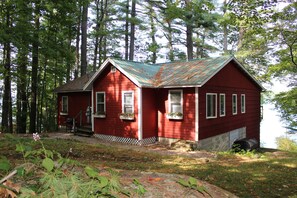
x=268, y=173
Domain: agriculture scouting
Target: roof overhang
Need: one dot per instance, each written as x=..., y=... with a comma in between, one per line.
x=106, y=63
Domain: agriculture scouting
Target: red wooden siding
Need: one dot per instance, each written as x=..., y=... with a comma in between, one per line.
x=76, y=101
x=177, y=129
x=230, y=80
x=149, y=109
x=113, y=84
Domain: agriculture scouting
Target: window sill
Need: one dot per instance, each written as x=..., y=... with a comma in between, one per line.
x=63, y=113
x=174, y=117
x=126, y=118
x=100, y=116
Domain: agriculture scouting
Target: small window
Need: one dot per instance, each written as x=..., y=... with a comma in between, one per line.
x=242, y=103
x=127, y=102
x=234, y=104
x=222, y=105
x=175, y=101
x=100, y=103
x=211, y=105
x=65, y=104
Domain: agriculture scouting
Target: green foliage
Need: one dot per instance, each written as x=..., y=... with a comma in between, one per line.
x=286, y=144
x=192, y=183
x=140, y=190
x=4, y=164
x=286, y=103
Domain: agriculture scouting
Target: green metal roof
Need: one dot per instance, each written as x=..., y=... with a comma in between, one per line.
x=191, y=73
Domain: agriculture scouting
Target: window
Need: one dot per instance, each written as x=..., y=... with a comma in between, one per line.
x=222, y=105
x=64, y=104
x=242, y=103
x=211, y=105
x=234, y=104
x=127, y=102
x=175, y=101
x=100, y=103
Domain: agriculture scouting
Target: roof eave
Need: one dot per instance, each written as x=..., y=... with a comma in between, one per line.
x=104, y=65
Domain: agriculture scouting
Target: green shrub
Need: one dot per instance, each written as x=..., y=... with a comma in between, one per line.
x=286, y=144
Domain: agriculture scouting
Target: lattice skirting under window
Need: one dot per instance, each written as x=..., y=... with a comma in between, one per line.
x=133, y=141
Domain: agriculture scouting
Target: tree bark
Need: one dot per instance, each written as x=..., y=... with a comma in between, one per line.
x=127, y=31
x=84, y=26
x=34, y=75
x=6, y=125
x=132, y=31
x=77, y=41
x=189, y=32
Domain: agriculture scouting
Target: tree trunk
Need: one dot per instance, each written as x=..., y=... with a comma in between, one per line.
x=225, y=33
x=132, y=31
x=34, y=75
x=6, y=125
x=84, y=26
x=77, y=41
x=22, y=102
x=127, y=31
x=189, y=33
x=153, y=33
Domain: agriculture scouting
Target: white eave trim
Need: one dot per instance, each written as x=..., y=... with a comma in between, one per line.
x=103, y=66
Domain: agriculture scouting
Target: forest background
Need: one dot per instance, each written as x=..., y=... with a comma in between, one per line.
x=45, y=43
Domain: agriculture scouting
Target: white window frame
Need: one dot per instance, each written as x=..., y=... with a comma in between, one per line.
x=104, y=101
x=181, y=100
x=224, y=105
x=62, y=109
x=215, y=105
x=234, y=104
x=123, y=104
x=242, y=103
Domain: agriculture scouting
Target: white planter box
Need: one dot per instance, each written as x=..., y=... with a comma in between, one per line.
x=63, y=113
x=174, y=117
x=126, y=117
x=100, y=116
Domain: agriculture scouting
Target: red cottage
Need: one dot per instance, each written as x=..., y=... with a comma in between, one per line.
x=211, y=102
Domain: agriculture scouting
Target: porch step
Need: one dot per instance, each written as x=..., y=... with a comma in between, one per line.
x=84, y=131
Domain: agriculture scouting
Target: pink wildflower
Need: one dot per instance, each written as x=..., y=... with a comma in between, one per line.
x=36, y=137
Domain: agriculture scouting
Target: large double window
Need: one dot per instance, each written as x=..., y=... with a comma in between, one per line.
x=211, y=105
x=127, y=102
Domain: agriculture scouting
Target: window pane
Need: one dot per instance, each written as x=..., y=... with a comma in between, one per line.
x=100, y=97
x=175, y=97
x=234, y=104
x=100, y=108
x=64, y=104
x=128, y=98
x=211, y=105
x=128, y=109
x=222, y=105
x=176, y=108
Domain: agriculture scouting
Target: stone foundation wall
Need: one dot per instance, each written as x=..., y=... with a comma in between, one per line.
x=223, y=141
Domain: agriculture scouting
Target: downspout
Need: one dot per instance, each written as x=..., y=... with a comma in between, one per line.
x=140, y=128
x=92, y=109
x=196, y=114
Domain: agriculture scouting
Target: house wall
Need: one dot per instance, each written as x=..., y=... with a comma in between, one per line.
x=113, y=84
x=78, y=101
x=176, y=129
x=230, y=80
x=150, y=113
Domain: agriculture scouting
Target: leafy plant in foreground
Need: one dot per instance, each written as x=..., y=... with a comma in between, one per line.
x=192, y=183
